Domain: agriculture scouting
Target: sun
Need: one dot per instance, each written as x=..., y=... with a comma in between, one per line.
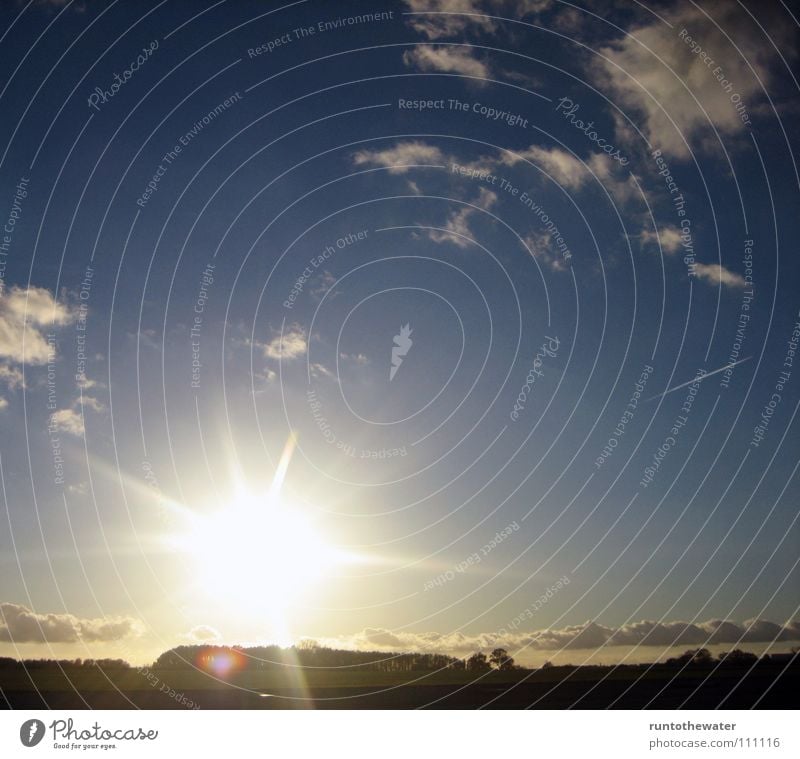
x=260, y=551
x=259, y=554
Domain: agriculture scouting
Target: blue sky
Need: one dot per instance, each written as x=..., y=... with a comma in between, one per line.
x=214, y=254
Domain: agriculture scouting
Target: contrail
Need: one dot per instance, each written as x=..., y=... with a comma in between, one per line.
x=699, y=379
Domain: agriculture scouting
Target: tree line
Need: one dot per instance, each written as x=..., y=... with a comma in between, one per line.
x=310, y=654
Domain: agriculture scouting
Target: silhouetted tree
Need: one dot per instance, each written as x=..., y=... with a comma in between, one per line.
x=693, y=656
x=501, y=660
x=477, y=662
x=737, y=656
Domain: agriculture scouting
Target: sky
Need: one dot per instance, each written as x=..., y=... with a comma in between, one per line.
x=431, y=325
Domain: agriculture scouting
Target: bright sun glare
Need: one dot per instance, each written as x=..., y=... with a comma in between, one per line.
x=259, y=552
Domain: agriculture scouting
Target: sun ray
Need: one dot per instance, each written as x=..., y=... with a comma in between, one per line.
x=283, y=466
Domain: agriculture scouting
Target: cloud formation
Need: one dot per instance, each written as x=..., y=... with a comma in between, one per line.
x=402, y=155
x=669, y=237
x=587, y=636
x=28, y=318
x=202, y=634
x=19, y=624
x=456, y=229
x=11, y=377
x=541, y=245
x=716, y=274
x=679, y=89
x=25, y=314
x=448, y=60
x=573, y=174
x=292, y=344
x=460, y=16
x=562, y=166
x=67, y=420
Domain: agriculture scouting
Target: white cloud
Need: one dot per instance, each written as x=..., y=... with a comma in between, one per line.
x=286, y=347
x=456, y=228
x=19, y=624
x=202, y=634
x=3, y=404
x=148, y=338
x=320, y=370
x=435, y=27
x=468, y=15
x=25, y=314
x=454, y=60
x=87, y=401
x=67, y=420
x=619, y=183
x=84, y=383
x=70, y=420
x=35, y=304
x=486, y=198
x=544, y=252
x=562, y=166
x=573, y=174
x=716, y=274
x=323, y=283
x=11, y=376
x=357, y=358
x=641, y=82
x=669, y=236
x=401, y=155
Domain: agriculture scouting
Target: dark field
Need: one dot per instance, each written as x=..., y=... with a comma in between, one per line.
x=767, y=685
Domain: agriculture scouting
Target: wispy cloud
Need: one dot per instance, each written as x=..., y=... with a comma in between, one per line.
x=716, y=274
x=401, y=155
x=456, y=228
x=319, y=371
x=356, y=358
x=562, y=166
x=669, y=237
x=540, y=244
x=448, y=60
x=71, y=420
x=439, y=19
x=202, y=634
x=11, y=377
x=574, y=174
x=323, y=284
